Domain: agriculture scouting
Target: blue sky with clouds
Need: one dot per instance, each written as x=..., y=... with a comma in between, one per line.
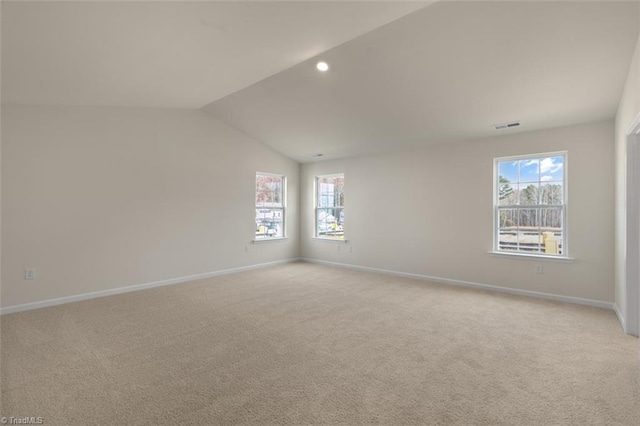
x=544, y=169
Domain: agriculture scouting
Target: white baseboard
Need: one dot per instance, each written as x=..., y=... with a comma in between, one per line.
x=135, y=287
x=468, y=284
x=620, y=317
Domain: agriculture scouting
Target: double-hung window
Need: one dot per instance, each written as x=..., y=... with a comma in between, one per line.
x=270, y=205
x=330, y=206
x=530, y=195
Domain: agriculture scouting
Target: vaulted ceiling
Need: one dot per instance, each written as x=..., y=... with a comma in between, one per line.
x=167, y=54
x=402, y=75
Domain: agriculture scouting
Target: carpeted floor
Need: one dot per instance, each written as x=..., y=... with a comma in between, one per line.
x=308, y=344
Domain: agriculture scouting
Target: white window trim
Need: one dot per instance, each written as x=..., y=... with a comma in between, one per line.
x=331, y=240
x=538, y=256
x=284, y=209
x=565, y=194
x=267, y=240
x=315, y=209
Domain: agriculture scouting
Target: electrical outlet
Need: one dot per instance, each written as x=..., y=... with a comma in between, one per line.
x=349, y=249
x=539, y=268
x=246, y=249
x=338, y=247
x=30, y=274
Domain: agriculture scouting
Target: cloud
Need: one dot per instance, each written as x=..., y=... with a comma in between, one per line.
x=549, y=165
x=546, y=178
x=544, y=165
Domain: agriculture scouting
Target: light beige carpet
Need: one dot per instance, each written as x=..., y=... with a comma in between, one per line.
x=309, y=344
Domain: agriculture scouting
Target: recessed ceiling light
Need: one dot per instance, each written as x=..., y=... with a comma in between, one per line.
x=322, y=66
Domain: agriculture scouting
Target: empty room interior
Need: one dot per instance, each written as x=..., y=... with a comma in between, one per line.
x=315, y=212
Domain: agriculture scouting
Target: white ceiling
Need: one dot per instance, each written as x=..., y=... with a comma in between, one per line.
x=167, y=54
x=446, y=72
x=403, y=74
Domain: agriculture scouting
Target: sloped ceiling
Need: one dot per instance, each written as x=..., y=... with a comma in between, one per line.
x=171, y=54
x=403, y=75
x=444, y=73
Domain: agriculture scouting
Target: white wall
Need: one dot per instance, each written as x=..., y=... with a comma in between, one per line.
x=430, y=212
x=101, y=198
x=628, y=109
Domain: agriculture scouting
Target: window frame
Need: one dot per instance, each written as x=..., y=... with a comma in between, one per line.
x=283, y=207
x=564, y=206
x=316, y=207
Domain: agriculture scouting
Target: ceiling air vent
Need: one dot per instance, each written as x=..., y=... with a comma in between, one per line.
x=507, y=125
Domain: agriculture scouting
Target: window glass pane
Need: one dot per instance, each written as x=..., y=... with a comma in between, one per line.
x=508, y=218
x=551, y=193
x=551, y=228
x=330, y=191
x=528, y=218
x=529, y=170
x=529, y=230
x=269, y=206
x=508, y=229
x=508, y=170
x=507, y=194
x=339, y=183
x=329, y=207
x=269, y=223
x=551, y=168
x=269, y=191
x=551, y=219
x=528, y=194
x=326, y=196
x=330, y=222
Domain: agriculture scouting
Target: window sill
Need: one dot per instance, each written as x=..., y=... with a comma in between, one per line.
x=560, y=259
x=266, y=240
x=339, y=240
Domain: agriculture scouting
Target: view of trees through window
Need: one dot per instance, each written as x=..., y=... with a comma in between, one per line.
x=269, y=206
x=330, y=206
x=531, y=204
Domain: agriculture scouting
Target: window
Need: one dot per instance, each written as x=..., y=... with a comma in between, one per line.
x=330, y=206
x=270, y=205
x=530, y=204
